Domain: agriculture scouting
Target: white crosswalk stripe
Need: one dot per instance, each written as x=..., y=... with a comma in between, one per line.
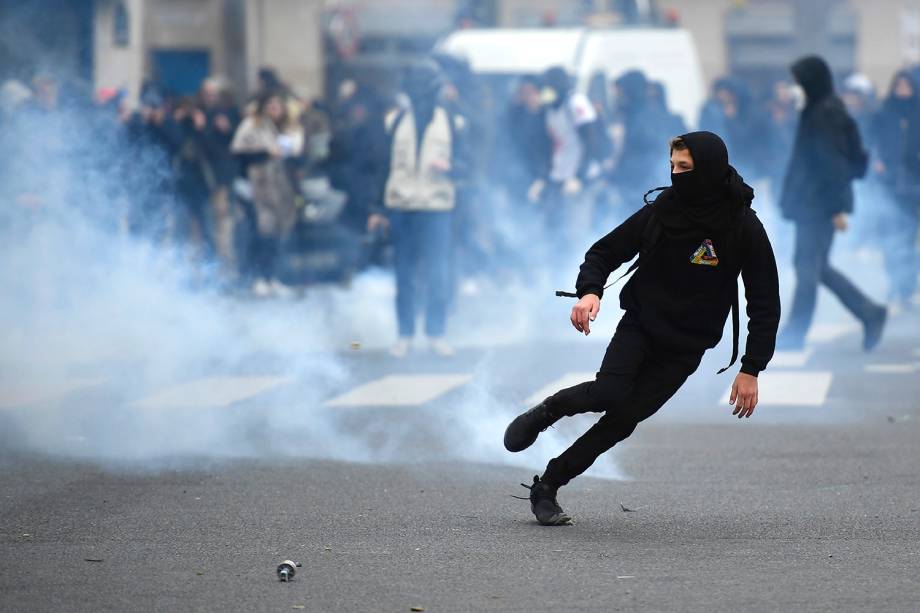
x=791, y=388
x=790, y=359
x=209, y=392
x=400, y=390
x=825, y=333
x=892, y=369
x=566, y=380
x=20, y=394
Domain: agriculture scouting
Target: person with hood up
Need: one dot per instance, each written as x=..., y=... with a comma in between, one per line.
x=817, y=197
x=643, y=137
x=419, y=171
x=693, y=242
x=575, y=155
x=896, y=143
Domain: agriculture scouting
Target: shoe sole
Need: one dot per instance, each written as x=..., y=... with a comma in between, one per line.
x=559, y=519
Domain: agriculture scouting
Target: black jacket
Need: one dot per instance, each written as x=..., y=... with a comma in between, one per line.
x=684, y=305
x=895, y=139
x=827, y=154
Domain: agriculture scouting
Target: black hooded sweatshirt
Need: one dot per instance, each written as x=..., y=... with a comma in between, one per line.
x=828, y=152
x=682, y=292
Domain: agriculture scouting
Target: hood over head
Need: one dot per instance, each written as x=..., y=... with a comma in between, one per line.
x=814, y=75
x=633, y=88
x=711, y=196
x=558, y=80
x=422, y=82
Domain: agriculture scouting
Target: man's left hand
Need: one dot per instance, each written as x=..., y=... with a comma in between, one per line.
x=744, y=395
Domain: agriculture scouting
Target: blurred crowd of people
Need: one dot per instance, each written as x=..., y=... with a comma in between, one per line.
x=457, y=173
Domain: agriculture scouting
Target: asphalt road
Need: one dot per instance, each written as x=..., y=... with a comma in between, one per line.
x=809, y=506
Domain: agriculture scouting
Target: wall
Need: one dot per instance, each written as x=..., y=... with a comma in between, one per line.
x=121, y=67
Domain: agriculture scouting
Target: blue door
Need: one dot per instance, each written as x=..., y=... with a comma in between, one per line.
x=181, y=71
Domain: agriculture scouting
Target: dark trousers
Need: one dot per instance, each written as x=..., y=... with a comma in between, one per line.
x=422, y=252
x=813, y=241
x=635, y=380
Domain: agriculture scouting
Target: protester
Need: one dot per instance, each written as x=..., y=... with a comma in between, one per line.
x=575, y=157
x=264, y=141
x=221, y=120
x=675, y=308
x=817, y=196
x=419, y=196
x=896, y=144
x=638, y=166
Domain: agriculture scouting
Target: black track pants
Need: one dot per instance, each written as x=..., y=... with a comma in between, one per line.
x=635, y=380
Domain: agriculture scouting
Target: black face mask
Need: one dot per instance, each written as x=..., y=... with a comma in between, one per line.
x=692, y=189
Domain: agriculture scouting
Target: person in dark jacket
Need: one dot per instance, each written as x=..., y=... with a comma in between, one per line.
x=817, y=196
x=693, y=242
x=640, y=117
x=896, y=144
x=216, y=126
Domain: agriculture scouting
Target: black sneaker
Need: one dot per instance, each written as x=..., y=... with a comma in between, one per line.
x=526, y=427
x=544, y=506
x=874, y=328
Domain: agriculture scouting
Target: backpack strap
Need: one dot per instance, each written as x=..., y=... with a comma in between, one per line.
x=736, y=315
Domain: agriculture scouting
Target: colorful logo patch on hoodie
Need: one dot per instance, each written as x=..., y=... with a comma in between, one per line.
x=705, y=255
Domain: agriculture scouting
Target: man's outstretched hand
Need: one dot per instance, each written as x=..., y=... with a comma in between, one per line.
x=584, y=312
x=744, y=395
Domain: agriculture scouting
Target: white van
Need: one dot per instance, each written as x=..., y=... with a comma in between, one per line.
x=663, y=54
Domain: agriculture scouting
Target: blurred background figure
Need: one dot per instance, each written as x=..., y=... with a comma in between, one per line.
x=731, y=113
x=644, y=132
x=419, y=195
x=574, y=159
x=817, y=196
x=895, y=140
x=221, y=119
x=264, y=141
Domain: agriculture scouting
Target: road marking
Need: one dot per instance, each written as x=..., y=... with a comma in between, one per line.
x=400, y=390
x=19, y=394
x=824, y=333
x=209, y=392
x=891, y=369
x=791, y=388
x=567, y=380
x=791, y=359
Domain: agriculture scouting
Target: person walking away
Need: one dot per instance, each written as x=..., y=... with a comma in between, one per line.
x=693, y=242
x=896, y=144
x=419, y=196
x=817, y=197
x=265, y=139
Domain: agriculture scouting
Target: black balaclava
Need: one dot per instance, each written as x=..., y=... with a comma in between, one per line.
x=422, y=82
x=557, y=79
x=815, y=77
x=711, y=196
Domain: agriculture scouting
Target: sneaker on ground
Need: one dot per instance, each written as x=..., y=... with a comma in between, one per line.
x=526, y=427
x=401, y=348
x=440, y=347
x=544, y=506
